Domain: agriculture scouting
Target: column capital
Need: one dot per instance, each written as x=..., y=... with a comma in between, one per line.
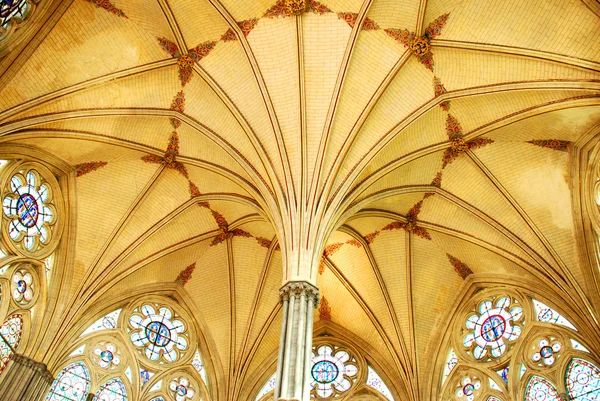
x=32, y=364
x=297, y=289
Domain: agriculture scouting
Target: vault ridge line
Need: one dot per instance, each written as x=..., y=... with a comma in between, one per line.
x=382, y=287
x=289, y=195
x=401, y=364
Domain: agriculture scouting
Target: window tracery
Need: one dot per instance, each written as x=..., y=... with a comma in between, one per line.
x=112, y=390
x=31, y=202
x=71, y=384
x=159, y=332
x=583, y=380
x=11, y=332
x=108, y=349
x=492, y=326
x=539, y=365
x=333, y=371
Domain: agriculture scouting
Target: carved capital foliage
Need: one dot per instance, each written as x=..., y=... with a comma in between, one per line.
x=297, y=289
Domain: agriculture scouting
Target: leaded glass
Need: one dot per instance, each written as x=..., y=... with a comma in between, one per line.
x=158, y=332
x=492, y=398
x=72, y=384
x=546, y=314
x=30, y=210
x=546, y=352
x=504, y=373
x=540, y=389
x=374, y=381
x=10, y=9
x=159, y=398
x=468, y=388
x=491, y=326
x=145, y=376
x=451, y=362
x=583, y=380
x=268, y=387
x=11, y=331
x=578, y=346
x=106, y=355
x=112, y=390
x=181, y=389
x=333, y=371
x=107, y=322
x=199, y=366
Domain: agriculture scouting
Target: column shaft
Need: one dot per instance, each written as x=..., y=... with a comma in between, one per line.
x=294, y=380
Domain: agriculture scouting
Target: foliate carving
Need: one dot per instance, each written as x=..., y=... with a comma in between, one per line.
x=295, y=7
x=420, y=46
x=297, y=289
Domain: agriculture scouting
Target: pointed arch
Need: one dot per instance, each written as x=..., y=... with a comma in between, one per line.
x=582, y=380
x=72, y=384
x=540, y=389
x=11, y=332
x=112, y=390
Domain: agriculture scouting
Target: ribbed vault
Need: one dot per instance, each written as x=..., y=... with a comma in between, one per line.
x=264, y=147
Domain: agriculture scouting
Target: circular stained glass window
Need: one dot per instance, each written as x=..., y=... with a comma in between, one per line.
x=158, y=332
x=28, y=205
x=333, y=371
x=24, y=285
x=491, y=327
x=325, y=372
x=10, y=9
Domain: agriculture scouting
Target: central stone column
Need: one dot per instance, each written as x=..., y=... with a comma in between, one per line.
x=25, y=380
x=299, y=299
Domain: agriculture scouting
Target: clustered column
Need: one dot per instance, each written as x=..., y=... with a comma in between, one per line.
x=25, y=380
x=299, y=299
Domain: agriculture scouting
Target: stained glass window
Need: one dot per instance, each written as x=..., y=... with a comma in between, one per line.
x=540, y=389
x=181, y=389
x=492, y=398
x=158, y=333
x=199, y=366
x=145, y=376
x=333, y=371
x=30, y=210
x=576, y=345
x=72, y=384
x=494, y=385
x=10, y=9
x=451, y=362
x=374, y=381
x=106, y=355
x=546, y=314
x=468, y=388
x=159, y=398
x=583, y=380
x=23, y=287
x=11, y=331
x=491, y=326
x=546, y=352
x=106, y=322
x=504, y=373
x=112, y=390
x=268, y=387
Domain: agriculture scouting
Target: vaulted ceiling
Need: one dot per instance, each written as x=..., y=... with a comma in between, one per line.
x=405, y=167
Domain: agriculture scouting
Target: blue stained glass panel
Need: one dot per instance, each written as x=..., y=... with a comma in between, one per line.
x=72, y=384
x=583, y=380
